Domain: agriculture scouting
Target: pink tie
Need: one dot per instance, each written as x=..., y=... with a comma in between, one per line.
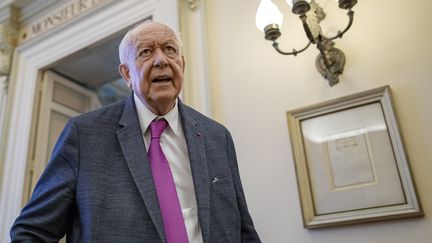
x=172, y=217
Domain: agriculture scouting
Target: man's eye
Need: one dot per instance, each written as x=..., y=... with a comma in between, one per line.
x=144, y=53
x=170, y=50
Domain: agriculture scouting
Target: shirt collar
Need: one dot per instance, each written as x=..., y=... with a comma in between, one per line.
x=146, y=116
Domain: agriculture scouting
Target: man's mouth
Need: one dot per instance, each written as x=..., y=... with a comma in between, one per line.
x=163, y=78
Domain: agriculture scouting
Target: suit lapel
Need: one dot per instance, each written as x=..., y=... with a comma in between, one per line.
x=195, y=143
x=132, y=145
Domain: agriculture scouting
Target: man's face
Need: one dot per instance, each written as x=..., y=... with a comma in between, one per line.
x=155, y=66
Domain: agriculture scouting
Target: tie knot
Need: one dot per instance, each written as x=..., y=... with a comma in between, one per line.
x=157, y=127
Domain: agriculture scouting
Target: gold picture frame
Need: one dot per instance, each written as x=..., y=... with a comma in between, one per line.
x=350, y=160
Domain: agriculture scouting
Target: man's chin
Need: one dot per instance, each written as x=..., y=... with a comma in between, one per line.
x=162, y=104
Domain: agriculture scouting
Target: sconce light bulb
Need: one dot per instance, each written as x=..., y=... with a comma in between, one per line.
x=347, y=4
x=292, y=2
x=267, y=14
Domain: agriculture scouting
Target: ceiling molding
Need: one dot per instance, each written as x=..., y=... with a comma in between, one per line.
x=6, y=13
x=37, y=8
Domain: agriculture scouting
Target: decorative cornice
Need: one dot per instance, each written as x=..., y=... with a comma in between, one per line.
x=6, y=13
x=8, y=40
x=4, y=4
x=37, y=8
x=193, y=4
x=27, y=11
x=62, y=13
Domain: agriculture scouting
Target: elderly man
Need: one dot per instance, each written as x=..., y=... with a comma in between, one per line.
x=144, y=169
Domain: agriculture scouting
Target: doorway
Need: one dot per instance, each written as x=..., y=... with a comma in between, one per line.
x=84, y=81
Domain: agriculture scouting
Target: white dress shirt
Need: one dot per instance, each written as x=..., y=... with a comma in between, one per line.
x=173, y=143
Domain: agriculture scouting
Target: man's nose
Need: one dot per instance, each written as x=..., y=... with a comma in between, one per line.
x=160, y=59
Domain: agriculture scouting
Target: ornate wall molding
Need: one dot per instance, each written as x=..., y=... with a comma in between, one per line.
x=3, y=98
x=58, y=15
x=8, y=40
x=196, y=91
x=38, y=7
x=193, y=4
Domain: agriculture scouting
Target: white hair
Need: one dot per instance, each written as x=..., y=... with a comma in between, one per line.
x=128, y=41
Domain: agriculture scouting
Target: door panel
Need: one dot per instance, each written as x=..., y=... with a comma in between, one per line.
x=57, y=123
x=60, y=100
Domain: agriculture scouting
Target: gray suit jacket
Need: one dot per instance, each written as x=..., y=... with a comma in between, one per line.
x=98, y=185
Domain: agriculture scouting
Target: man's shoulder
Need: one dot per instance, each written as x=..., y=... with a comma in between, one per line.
x=202, y=119
x=107, y=114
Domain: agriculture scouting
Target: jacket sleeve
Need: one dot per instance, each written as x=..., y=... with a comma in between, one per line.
x=248, y=232
x=50, y=210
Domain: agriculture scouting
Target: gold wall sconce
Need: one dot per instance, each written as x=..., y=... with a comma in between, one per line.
x=330, y=62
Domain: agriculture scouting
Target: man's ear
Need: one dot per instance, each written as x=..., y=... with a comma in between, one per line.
x=124, y=72
x=184, y=63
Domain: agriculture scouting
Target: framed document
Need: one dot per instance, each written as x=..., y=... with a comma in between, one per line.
x=350, y=160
